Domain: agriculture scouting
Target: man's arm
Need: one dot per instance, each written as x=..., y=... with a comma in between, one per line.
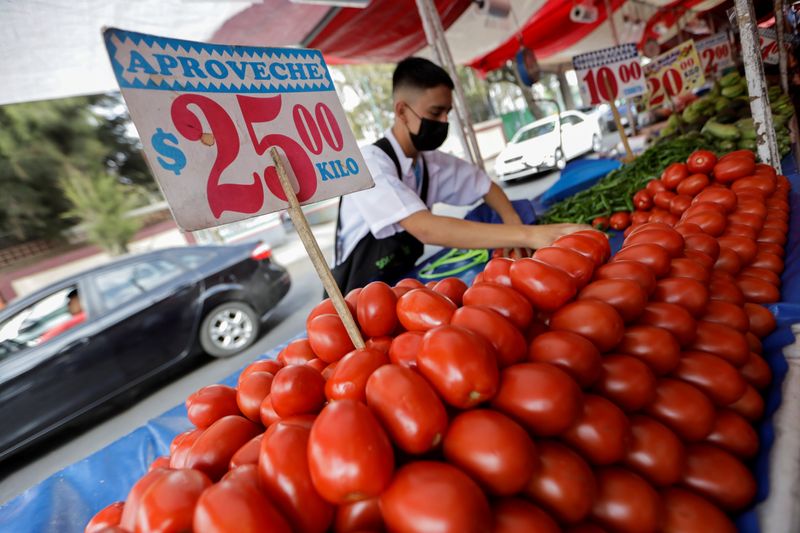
x=458, y=233
x=496, y=199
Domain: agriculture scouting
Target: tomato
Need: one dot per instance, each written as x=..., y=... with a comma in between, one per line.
x=711, y=222
x=505, y=300
x=600, y=433
x=686, y=229
x=750, y=406
x=651, y=255
x=130, y=510
x=754, y=343
x=460, y=365
x=399, y=291
x=685, y=292
x=620, y=220
x=252, y=392
x=770, y=248
x=654, y=346
x=319, y=365
x=739, y=153
x=297, y=352
x=663, y=216
x=701, y=161
x=760, y=319
x=679, y=204
x=685, y=267
x=765, y=184
x=453, y=288
x=424, y=309
x=673, y=175
x=497, y=271
x=262, y=365
x=329, y=338
x=756, y=371
x=654, y=452
x=625, y=502
x=168, y=503
x=719, y=476
x=754, y=207
x=655, y=186
x=637, y=219
x=512, y=515
x=564, y=484
x=662, y=199
x=545, y=286
x=509, y=345
x=746, y=219
x=686, y=512
x=586, y=246
x=734, y=434
x=585, y=528
x=704, y=260
x=757, y=290
x=326, y=307
x=380, y=344
x=769, y=261
x=376, y=309
x=744, y=247
x=626, y=296
x=683, y=408
x=741, y=230
x=267, y=412
x=493, y=449
x=725, y=198
x=703, y=243
x=159, y=462
x=628, y=270
x=627, y=382
x=643, y=200
x=540, y=396
x=212, y=451
x=593, y=319
x=417, y=423
x=778, y=205
x=579, y=267
x=729, y=170
x=570, y=352
x=297, y=390
x=722, y=341
x=410, y=283
x=672, y=318
x=108, y=516
x=181, y=445
x=404, y=348
x=714, y=376
x=728, y=261
x=209, y=404
x=284, y=474
x=349, y=379
x=364, y=515
x=247, y=454
x=600, y=223
x=727, y=314
x=669, y=239
x=779, y=225
x=726, y=291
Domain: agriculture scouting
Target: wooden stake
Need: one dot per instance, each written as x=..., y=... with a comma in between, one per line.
x=314, y=252
x=618, y=121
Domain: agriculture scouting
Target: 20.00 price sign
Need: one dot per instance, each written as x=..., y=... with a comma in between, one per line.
x=609, y=74
x=207, y=114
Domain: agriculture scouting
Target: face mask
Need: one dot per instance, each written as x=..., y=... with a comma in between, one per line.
x=431, y=135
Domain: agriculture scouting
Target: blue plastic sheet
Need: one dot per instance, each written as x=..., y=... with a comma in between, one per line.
x=577, y=176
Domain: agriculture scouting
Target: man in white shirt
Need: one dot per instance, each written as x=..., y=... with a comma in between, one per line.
x=382, y=231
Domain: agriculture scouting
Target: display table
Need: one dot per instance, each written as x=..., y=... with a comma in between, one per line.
x=64, y=502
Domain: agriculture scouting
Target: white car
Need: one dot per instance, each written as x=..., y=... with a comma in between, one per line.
x=536, y=147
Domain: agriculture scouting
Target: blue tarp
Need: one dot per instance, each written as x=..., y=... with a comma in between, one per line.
x=64, y=502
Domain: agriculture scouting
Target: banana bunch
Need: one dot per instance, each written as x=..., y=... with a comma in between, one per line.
x=733, y=85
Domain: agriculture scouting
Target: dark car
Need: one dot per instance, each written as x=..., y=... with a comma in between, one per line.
x=85, y=340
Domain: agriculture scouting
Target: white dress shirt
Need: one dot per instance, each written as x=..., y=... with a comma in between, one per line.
x=450, y=180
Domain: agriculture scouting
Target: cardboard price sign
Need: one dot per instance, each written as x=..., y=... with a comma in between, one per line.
x=769, y=46
x=674, y=73
x=207, y=114
x=716, y=54
x=609, y=74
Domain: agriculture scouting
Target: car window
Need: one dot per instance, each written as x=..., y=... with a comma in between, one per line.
x=571, y=119
x=40, y=321
x=191, y=259
x=542, y=129
x=128, y=282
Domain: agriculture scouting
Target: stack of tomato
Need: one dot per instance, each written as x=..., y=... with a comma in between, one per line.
x=565, y=391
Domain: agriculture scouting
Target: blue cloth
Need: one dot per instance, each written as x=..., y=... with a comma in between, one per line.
x=577, y=176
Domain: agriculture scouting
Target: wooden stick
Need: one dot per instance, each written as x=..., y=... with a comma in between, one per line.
x=314, y=252
x=618, y=121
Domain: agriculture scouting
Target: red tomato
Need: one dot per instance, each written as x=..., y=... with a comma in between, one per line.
x=714, y=376
x=734, y=434
x=669, y=239
x=684, y=267
x=579, y=267
x=672, y=318
x=757, y=290
x=637, y=219
x=693, y=184
x=584, y=245
x=727, y=314
x=108, y=516
x=262, y=365
x=493, y=449
x=744, y=247
x=211, y=453
x=702, y=161
x=779, y=225
x=329, y=338
x=599, y=237
x=131, y=509
x=209, y=404
x=718, y=476
x=739, y=153
x=424, y=309
x=683, y=408
x=625, y=502
x=325, y=307
x=651, y=255
x=364, y=515
x=512, y=515
x=399, y=291
x=404, y=348
x=756, y=371
x=754, y=207
x=340, y=470
x=410, y=283
x=769, y=261
x=376, y=309
x=545, y=286
x=628, y=270
x=627, y=382
x=297, y=390
x=754, y=343
x=283, y=471
x=712, y=222
x=564, y=484
x=688, y=229
x=620, y=220
x=655, y=452
x=460, y=366
x=159, y=462
x=770, y=248
x=685, y=292
x=417, y=423
x=593, y=319
x=252, y=392
x=725, y=291
x=428, y=495
x=685, y=512
x=181, y=445
x=349, y=379
x=741, y=230
x=704, y=260
x=765, y=184
x=380, y=344
x=750, y=406
x=247, y=454
x=352, y=298
x=673, y=175
x=453, y=288
x=626, y=296
x=655, y=186
x=723, y=197
x=722, y=341
x=570, y=352
x=654, y=346
x=662, y=199
x=267, y=412
x=508, y=343
x=703, y=243
x=600, y=433
x=643, y=200
x=168, y=503
x=540, y=396
x=728, y=261
x=729, y=170
x=297, y=352
x=505, y=300
x=746, y=219
x=497, y=271
x=760, y=319
x=319, y=365
x=679, y=204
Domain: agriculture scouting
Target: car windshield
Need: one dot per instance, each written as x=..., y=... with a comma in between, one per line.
x=536, y=131
x=27, y=327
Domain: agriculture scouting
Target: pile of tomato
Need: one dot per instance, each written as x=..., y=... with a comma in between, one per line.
x=569, y=390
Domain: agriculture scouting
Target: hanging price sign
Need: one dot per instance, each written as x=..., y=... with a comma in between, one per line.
x=207, y=114
x=609, y=74
x=716, y=54
x=769, y=46
x=674, y=73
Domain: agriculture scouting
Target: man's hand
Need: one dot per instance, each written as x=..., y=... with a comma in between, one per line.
x=545, y=235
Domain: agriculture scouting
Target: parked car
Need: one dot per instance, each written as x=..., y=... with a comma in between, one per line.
x=79, y=343
x=537, y=147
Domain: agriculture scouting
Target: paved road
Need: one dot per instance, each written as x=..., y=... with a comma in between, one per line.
x=287, y=321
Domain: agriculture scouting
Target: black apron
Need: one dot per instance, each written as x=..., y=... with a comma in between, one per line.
x=388, y=259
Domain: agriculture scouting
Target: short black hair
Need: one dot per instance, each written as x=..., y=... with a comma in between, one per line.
x=419, y=73
x=73, y=293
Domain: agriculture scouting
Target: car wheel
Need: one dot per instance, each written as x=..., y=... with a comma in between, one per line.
x=561, y=161
x=596, y=143
x=228, y=329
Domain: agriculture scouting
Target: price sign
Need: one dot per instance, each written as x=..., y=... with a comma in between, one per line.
x=716, y=54
x=609, y=74
x=673, y=73
x=207, y=114
x=769, y=46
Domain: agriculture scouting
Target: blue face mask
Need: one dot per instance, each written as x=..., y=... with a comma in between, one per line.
x=431, y=134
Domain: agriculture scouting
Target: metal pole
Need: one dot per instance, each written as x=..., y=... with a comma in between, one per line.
x=780, y=39
x=756, y=85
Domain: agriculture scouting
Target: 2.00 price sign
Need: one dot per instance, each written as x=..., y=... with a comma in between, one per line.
x=609, y=74
x=716, y=54
x=207, y=114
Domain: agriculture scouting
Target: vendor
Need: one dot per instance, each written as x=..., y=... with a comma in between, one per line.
x=381, y=231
